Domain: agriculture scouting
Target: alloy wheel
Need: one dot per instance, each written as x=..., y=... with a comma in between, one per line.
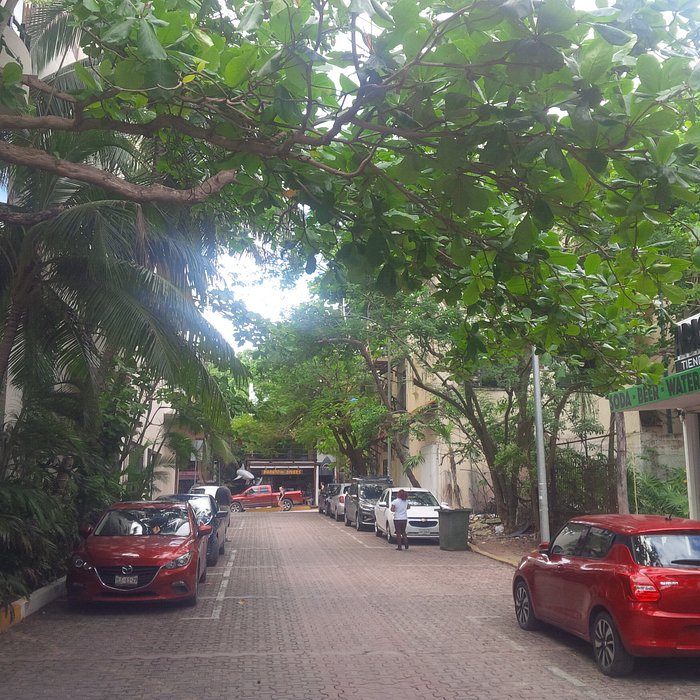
x=610, y=654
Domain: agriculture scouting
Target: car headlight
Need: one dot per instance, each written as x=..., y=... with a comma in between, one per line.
x=77, y=562
x=369, y=507
x=184, y=560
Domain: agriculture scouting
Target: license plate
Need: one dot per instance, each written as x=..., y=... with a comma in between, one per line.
x=126, y=580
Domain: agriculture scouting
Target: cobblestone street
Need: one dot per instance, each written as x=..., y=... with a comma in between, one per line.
x=302, y=607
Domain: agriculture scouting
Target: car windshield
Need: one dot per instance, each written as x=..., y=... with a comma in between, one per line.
x=202, y=509
x=123, y=522
x=372, y=492
x=667, y=549
x=421, y=498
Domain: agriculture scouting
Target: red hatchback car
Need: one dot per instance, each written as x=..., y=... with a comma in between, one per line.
x=629, y=584
x=140, y=552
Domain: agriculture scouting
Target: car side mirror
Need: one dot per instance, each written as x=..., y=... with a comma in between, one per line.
x=84, y=530
x=543, y=547
x=203, y=530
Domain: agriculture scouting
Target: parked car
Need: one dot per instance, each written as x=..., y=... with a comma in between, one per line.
x=207, y=510
x=423, y=519
x=221, y=494
x=336, y=506
x=626, y=583
x=324, y=497
x=140, y=551
x=360, y=500
x=264, y=496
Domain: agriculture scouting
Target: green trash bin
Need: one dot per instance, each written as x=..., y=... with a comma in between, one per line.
x=454, y=528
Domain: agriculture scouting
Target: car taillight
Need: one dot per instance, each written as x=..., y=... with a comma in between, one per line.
x=642, y=588
x=341, y=499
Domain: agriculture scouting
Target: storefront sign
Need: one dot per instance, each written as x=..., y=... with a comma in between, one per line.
x=673, y=386
x=688, y=344
x=282, y=472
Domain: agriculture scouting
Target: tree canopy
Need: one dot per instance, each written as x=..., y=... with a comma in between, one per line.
x=520, y=155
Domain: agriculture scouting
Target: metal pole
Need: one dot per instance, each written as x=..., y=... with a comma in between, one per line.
x=388, y=396
x=539, y=441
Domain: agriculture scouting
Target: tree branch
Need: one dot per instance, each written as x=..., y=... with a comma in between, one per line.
x=10, y=215
x=31, y=158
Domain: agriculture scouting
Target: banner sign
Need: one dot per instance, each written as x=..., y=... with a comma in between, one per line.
x=673, y=386
x=282, y=472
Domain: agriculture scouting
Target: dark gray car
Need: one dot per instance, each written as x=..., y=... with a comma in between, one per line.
x=207, y=511
x=324, y=498
x=360, y=500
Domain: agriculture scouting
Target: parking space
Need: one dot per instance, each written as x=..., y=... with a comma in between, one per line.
x=302, y=607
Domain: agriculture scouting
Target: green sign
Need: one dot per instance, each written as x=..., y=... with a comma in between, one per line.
x=673, y=386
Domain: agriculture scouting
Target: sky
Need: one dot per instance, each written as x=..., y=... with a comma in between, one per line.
x=261, y=294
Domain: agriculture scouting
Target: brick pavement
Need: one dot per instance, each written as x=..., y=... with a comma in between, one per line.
x=302, y=607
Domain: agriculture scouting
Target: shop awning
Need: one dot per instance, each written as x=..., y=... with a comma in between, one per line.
x=680, y=390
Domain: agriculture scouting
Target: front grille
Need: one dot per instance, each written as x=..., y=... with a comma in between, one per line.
x=421, y=523
x=145, y=574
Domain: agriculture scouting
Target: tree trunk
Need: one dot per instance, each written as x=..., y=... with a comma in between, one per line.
x=454, y=496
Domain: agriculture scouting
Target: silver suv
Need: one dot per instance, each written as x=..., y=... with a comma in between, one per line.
x=360, y=500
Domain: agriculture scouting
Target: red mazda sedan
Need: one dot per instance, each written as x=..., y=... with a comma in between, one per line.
x=629, y=584
x=140, y=552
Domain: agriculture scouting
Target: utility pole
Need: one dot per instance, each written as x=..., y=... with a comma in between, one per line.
x=539, y=441
x=388, y=397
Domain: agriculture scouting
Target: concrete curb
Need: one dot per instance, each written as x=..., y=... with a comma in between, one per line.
x=24, y=607
x=511, y=561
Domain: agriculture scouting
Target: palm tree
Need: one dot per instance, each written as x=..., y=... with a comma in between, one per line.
x=86, y=280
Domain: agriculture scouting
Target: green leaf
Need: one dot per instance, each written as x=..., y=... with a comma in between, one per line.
x=613, y=35
x=585, y=127
x=239, y=67
x=686, y=153
x=119, y=33
x=597, y=58
x=86, y=76
x=649, y=72
x=597, y=161
x=387, y=281
x=11, y=73
x=252, y=18
x=556, y=159
x=129, y=74
x=665, y=147
x=555, y=16
x=696, y=257
x=149, y=46
x=525, y=235
x=471, y=293
x=460, y=252
x=694, y=79
x=517, y=285
x=543, y=215
x=381, y=12
x=563, y=259
x=449, y=153
x=160, y=74
x=592, y=263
